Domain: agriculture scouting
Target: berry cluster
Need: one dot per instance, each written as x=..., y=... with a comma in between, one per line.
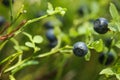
x=106, y=58
x=50, y=34
x=80, y=48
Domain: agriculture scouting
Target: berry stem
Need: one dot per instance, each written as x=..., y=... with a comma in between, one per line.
x=11, y=11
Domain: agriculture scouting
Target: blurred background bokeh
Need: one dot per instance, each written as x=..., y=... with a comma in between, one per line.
x=59, y=66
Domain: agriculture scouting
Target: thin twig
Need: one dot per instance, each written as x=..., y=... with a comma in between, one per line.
x=11, y=34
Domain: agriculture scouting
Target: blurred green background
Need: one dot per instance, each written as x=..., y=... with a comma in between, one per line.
x=59, y=66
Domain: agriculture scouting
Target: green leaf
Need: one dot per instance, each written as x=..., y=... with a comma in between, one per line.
x=117, y=44
x=117, y=76
x=114, y=12
x=24, y=48
x=11, y=77
x=28, y=63
x=37, y=39
x=36, y=49
x=29, y=44
x=50, y=9
x=87, y=57
x=97, y=45
x=61, y=10
x=17, y=48
x=113, y=27
x=9, y=57
x=107, y=72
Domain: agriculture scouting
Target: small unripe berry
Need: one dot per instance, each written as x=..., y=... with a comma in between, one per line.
x=53, y=44
x=101, y=25
x=80, y=49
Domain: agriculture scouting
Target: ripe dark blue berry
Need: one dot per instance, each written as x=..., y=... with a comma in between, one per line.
x=53, y=44
x=101, y=25
x=7, y=2
x=80, y=49
x=51, y=37
x=49, y=25
x=2, y=20
x=106, y=59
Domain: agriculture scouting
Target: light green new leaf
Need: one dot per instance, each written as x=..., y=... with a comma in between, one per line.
x=118, y=76
x=118, y=26
x=61, y=10
x=37, y=39
x=29, y=44
x=11, y=77
x=50, y=9
x=97, y=45
x=24, y=48
x=107, y=72
x=17, y=48
x=114, y=12
x=113, y=27
x=87, y=56
x=117, y=44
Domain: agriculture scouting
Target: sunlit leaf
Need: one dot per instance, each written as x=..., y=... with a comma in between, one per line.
x=87, y=56
x=11, y=77
x=97, y=45
x=113, y=27
x=61, y=10
x=37, y=39
x=107, y=72
x=17, y=48
x=117, y=44
x=29, y=44
x=114, y=12
x=50, y=9
x=24, y=48
x=118, y=76
x=36, y=49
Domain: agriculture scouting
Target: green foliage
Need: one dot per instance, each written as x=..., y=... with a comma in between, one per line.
x=114, y=12
x=25, y=51
x=97, y=45
x=108, y=72
x=114, y=25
